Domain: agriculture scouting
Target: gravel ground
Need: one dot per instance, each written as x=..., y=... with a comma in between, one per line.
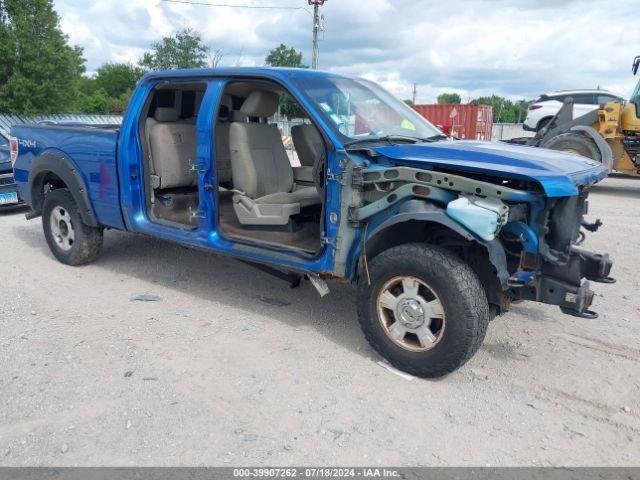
x=231, y=367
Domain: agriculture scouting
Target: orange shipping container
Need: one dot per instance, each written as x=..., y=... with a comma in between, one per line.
x=467, y=122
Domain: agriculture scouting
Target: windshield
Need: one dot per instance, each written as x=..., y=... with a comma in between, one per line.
x=360, y=110
x=635, y=96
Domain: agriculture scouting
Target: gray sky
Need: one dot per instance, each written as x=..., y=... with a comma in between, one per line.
x=517, y=48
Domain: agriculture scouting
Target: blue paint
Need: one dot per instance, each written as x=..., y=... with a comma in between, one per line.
x=92, y=152
x=110, y=164
x=522, y=277
x=524, y=234
x=559, y=174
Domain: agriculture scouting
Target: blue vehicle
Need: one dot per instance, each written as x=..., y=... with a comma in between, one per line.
x=9, y=196
x=439, y=236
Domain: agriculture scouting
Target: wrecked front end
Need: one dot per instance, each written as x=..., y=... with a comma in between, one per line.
x=552, y=267
x=523, y=240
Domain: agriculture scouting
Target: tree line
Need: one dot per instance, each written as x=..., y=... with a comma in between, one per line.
x=504, y=110
x=41, y=73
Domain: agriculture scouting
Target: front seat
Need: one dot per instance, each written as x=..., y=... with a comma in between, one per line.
x=266, y=193
x=310, y=148
x=308, y=144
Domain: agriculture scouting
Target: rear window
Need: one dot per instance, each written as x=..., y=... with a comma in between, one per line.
x=546, y=98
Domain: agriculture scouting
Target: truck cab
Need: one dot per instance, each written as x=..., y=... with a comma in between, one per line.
x=439, y=236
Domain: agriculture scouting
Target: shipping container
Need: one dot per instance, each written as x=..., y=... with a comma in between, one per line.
x=467, y=122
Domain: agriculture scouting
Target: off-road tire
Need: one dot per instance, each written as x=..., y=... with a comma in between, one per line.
x=575, y=143
x=463, y=299
x=88, y=240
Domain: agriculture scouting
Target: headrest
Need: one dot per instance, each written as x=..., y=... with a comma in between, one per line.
x=237, y=116
x=260, y=104
x=165, y=114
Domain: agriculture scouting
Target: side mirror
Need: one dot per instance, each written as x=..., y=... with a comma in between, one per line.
x=636, y=64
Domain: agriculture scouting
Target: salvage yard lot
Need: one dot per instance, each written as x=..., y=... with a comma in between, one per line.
x=222, y=364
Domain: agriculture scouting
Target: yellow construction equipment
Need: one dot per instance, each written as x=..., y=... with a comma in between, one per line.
x=610, y=134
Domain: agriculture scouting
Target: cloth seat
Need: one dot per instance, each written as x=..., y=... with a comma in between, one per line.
x=262, y=174
x=172, y=147
x=308, y=143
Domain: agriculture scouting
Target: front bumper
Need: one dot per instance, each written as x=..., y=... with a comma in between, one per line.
x=8, y=185
x=573, y=297
x=527, y=128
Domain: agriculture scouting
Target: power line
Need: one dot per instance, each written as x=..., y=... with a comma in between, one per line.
x=227, y=5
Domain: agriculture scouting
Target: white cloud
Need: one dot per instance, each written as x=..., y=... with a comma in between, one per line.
x=518, y=48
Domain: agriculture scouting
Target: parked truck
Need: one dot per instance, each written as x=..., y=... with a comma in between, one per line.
x=438, y=235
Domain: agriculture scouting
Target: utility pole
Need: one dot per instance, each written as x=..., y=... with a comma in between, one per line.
x=415, y=91
x=316, y=28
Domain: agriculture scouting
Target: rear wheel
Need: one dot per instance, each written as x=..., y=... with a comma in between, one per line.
x=425, y=310
x=71, y=241
x=576, y=144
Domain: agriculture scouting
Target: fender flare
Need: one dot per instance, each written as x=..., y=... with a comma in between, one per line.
x=421, y=211
x=61, y=166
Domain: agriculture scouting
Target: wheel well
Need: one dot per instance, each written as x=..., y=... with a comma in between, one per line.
x=42, y=184
x=473, y=253
x=543, y=121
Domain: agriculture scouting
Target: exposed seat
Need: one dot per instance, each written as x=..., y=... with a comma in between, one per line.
x=309, y=147
x=266, y=193
x=172, y=150
x=308, y=144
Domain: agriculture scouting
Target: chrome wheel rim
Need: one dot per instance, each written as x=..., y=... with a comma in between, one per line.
x=411, y=314
x=62, y=228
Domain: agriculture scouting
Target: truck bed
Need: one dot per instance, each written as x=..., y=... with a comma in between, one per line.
x=92, y=152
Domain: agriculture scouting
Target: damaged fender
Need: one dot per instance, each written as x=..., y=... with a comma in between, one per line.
x=421, y=211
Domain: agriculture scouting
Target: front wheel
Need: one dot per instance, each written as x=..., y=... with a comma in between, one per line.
x=71, y=241
x=425, y=310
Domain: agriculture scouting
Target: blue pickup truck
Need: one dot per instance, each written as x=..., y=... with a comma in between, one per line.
x=439, y=236
x=9, y=196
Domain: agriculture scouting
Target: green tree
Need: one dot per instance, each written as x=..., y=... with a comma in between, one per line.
x=283, y=56
x=96, y=102
x=118, y=78
x=118, y=105
x=449, y=98
x=38, y=68
x=184, y=49
x=504, y=110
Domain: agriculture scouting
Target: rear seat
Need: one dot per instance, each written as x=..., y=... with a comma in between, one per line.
x=172, y=150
